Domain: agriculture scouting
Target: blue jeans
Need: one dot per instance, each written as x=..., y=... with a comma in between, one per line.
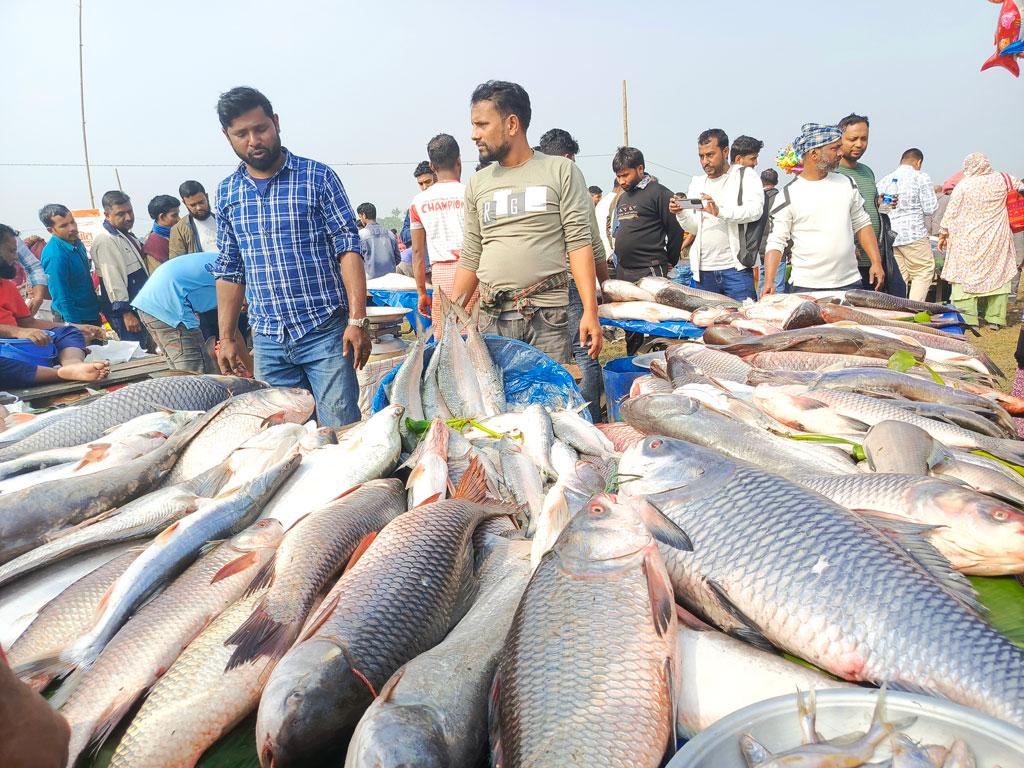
x=592, y=385
x=315, y=363
x=735, y=283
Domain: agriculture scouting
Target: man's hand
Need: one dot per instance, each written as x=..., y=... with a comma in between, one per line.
x=876, y=276
x=768, y=288
x=710, y=206
x=230, y=359
x=131, y=323
x=943, y=242
x=91, y=332
x=39, y=294
x=673, y=206
x=35, y=335
x=356, y=341
x=590, y=334
x=424, y=305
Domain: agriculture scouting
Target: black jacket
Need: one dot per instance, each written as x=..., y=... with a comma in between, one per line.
x=647, y=235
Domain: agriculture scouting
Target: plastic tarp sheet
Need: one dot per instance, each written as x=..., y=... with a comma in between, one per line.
x=530, y=376
x=407, y=299
x=669, y=329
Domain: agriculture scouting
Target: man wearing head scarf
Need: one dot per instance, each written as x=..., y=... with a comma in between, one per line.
x=820, y=214
x=978, y=243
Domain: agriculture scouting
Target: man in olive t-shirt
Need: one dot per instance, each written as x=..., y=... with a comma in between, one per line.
x=524, y=212
x=855, y=130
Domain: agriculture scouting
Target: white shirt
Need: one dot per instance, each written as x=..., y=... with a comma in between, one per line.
x=207, y=231
x=439, y=211
x=917, y=200
x=709, y=248
x=820, y=218
x=603, y=211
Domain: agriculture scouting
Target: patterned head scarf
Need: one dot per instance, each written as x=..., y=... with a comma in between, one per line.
x=813, y=136
x=976, y=164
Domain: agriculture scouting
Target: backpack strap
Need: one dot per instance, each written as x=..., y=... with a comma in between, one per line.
x=739, y=194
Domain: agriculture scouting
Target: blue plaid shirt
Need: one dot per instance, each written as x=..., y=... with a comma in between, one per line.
x=285, y=244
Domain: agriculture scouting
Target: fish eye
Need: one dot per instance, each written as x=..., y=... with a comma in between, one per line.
x=655, y=443
x=1000, y=515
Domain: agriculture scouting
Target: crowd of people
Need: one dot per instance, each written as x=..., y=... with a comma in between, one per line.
x=524, y=243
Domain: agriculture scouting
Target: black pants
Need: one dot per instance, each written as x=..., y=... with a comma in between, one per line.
x=635, y=340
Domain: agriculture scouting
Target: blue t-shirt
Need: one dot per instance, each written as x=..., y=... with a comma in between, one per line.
x=261, y=184
x=178, y=289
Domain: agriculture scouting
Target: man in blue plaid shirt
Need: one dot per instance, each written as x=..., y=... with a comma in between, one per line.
x=288, y=243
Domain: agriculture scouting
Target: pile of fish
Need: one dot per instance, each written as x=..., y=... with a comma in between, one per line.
x=459, y=579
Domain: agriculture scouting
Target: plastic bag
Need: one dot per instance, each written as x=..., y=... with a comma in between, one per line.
x=669, y=329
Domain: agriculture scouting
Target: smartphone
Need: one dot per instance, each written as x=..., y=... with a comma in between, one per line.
x=690, y=203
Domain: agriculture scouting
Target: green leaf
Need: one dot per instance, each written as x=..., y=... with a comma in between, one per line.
x=418, y=428
x=935, y=376
x=858, y=449
x=1015, y=467
x=923, y=317
x=1003, y=597
x=901, y=361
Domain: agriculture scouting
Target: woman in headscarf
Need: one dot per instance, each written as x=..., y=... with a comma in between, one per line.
x=978, y=244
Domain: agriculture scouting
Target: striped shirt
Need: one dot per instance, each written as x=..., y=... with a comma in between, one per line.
x=284, y=244
x=917, y=200
x=864, y=178
x=29, y=262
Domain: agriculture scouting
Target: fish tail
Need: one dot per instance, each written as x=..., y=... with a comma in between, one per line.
x=106, y=725
x=1008, y=63
x=259, y=635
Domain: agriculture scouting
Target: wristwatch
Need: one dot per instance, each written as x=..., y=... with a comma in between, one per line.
x=361, y=322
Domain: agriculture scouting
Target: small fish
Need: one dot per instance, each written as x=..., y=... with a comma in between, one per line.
x=642, y=310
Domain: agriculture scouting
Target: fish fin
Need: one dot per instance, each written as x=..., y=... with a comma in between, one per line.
x=323, y=613
x=345, y=493
x=264, y=577
x=360, y=550
x=55, y=666
x=260, y=635
x=390, y=685
x=237, y=565
x=754, y=753
x=97, y=452
x=473, y=485
x=663, y=528
x=910, y=537
x=105, y=726
x=690, y=621
x=209, y=483
x=417, y=470
x=166, y=533
x=669, y=673
x=209, y=546
x=494, y=722
x=59, y=534
x=275, y=418
x=748, y=631
x=997, y=59
x=660, y=596
x=431, y=499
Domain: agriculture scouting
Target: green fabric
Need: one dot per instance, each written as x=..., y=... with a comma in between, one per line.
x=993, y=304
x=864, y=178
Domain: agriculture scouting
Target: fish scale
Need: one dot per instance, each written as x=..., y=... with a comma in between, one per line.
x=89, y=422
x=820, y=582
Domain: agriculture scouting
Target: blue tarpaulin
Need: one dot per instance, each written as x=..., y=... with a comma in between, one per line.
x=407, y=299
x=669, y=329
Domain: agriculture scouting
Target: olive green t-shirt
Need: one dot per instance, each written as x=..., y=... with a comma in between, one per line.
x=521, y=221
x=864, y=178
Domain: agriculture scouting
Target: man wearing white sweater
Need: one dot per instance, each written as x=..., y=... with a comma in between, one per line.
x=821, y=213
x=733, y=199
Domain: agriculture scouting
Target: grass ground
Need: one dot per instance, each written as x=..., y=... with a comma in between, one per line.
x=1000, y=345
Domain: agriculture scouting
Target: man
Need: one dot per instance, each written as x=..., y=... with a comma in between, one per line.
x=425, y=177
x=67, y=268
x=288, y=243
x=436, y=219
x=556, y=142
x=603, y=213
x=770, y=184
x=379, y=248
x=720, y=259
x=524, y=212
x=36, y=276
x=821, y=213
x=855, y=130
x=912, y=247
x=66, y=342
x=165, y=211
x=170, y=304
x=197, y=231
x=745, y=151
x=121, y=265
x=595, y=194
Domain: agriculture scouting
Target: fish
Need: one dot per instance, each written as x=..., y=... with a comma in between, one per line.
x=1008, y=29
x=606, y=580
x=907, y=753
x=648, y=385
x=430, y=388
x=428, y=480
x=792, y=408
x=930, y=337
x=400, y=599
x=563, y=500
x=405, y=388
x=266, y=448
x=461, y=453
x=647, y=311
x=622, y=436
x=978, y=535
x=89, y=422
x=1011, y=403
x=981, y=473
x=960, y=756
x=523, y=480
x=171, y=552
x=234, y=421
x=18, y=426
x=802, y=577
x=621, y=290
x=163, y=423
x=967, y=418
x=196, y=701
x=311, y=557
x=368, y=451
x=62, y=619
x=456, y=376
x=826, y=340
x=877, y=300
x=758, y=327
x=711, y=362
x=897, y=447
x=723, y=335
x=490, y=377
x=29, y=516
x=683, y=417
x=580, y=434
x=935, y=352
x=722, y=675
x=538, y=437
x=788, y=311
x=146, y=646
x=718, y=314
x=672, y=294
x=811, y=361
x=432, y=713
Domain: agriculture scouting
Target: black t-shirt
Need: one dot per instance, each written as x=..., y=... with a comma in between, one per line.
x=647, y=235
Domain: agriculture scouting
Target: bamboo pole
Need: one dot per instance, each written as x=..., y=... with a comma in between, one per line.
x=625, y=116
x=81, y=94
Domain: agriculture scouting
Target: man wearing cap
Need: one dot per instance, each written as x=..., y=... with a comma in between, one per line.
x=821, y=213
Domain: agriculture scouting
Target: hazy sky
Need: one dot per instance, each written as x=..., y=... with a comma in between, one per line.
x=371, y=82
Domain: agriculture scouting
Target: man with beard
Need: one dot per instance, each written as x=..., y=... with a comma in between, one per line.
x=196, y=232
x=822, y=213
x=524, y=212
x=289, y=245
x=121, y=265
x=67, y=267
x=66, y=343
x=855, y=130
x=733, y=201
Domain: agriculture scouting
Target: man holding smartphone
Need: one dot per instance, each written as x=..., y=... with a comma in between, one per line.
x=717, y=208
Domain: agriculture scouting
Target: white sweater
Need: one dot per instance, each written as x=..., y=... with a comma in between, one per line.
x=820, y=218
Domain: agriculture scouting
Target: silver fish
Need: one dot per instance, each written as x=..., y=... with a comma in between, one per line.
x=428, y=480
x=18, y=426
x=405, y=387
x=622, y=290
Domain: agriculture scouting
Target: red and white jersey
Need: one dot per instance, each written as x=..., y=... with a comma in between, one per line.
x=439, y=211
